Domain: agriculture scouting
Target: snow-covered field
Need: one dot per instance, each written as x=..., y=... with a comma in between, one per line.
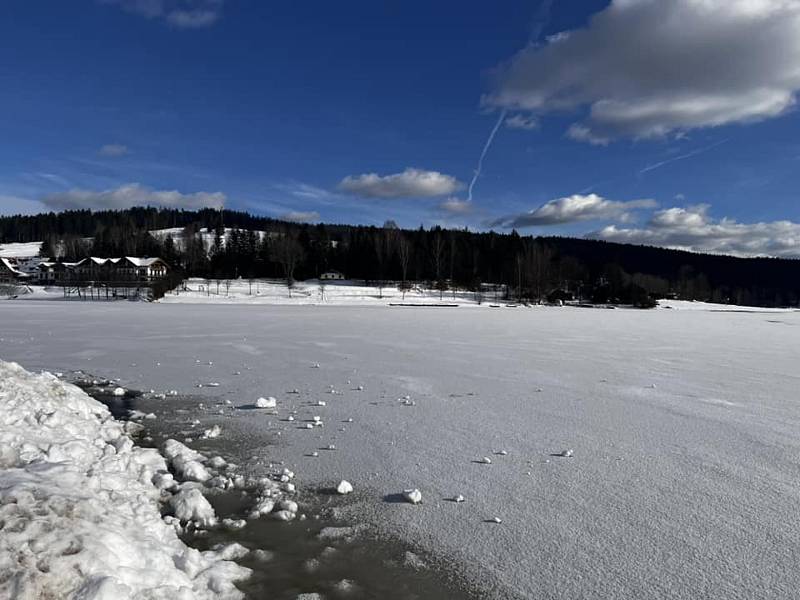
x=683, y=476
x=345, y=293
x=20, y=250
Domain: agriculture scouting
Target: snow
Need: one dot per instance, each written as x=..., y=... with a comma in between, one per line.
x=207, y=235
x=190, y=505
x=344, y=487
x=20, y=250
x=78, y=510
x=682, y=491
x=710, y=306
x=414, y=496
x=270, y=402
x=333, y=293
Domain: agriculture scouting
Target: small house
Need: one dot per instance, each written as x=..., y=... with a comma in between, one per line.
x=331, y=276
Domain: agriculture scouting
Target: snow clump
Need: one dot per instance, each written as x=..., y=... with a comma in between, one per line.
x=84, y=507
x=270, y=402
x=344, y=487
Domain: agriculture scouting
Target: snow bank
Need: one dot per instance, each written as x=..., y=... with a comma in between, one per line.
x=79, y=513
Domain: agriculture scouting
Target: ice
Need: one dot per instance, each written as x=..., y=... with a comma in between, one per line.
x=266, y=402
x=414, y=496
x=283, y=515
x=344, y=487
x=263, y=506
x=289, y=505
x=213, y=432
x=190, y=505
x=702, y=506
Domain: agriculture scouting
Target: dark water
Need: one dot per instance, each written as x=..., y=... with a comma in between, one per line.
x=300, y=557
x=303, y=561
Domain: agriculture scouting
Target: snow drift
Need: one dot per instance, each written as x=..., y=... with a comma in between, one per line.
x=79, y=512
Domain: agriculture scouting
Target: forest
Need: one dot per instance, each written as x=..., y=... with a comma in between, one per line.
x=230, y=244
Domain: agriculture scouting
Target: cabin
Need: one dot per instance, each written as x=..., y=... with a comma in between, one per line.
x=10, y=271
x=331, y=276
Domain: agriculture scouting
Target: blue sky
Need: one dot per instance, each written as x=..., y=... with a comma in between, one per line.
x=669, y=122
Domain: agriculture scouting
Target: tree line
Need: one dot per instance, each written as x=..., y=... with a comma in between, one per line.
x=237, y=244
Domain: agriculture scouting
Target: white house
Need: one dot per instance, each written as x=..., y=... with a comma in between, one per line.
x=331, y=276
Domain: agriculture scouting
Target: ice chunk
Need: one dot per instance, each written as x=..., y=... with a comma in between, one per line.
x=270, y=402
x=414, y=496
x=190, y=505
x=283, y=515
x=214, y=432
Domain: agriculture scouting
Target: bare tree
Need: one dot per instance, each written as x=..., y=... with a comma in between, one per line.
x=404, y=253
x=379, y=243
x=437, y=258
x=288, y=252
x=453, y=251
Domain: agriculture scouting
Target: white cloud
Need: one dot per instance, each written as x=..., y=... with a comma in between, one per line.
x=454, y=206
x=520, y=121
x=693, y=229
x=647, y=68
x=192, y=19
x=573, y=209
x=299, y=216
x=113, y=150
x=410, y=183
x=129, y=195
x=184, y=14
x=306, y=191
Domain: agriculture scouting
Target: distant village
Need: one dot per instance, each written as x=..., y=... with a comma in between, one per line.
x=126, y=276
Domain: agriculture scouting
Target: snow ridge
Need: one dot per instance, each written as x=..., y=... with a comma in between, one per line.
x=79, y=509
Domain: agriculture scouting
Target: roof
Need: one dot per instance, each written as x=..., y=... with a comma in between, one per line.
x=143, y=262
x=11, y=265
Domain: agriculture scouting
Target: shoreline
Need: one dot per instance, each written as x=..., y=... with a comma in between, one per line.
x=330, y=543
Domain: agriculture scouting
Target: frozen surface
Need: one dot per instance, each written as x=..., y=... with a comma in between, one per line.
x=79, y=515
x=683, y=480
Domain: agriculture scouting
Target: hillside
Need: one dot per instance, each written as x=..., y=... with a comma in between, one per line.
x=230, y=244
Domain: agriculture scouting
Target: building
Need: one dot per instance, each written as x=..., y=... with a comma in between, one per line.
x=10, y=271
x=143, y=268
x=128, y=269
x=331, y=276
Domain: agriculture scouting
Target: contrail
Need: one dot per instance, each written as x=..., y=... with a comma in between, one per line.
x=657, y=165
x=483, y=154
x=540, y=21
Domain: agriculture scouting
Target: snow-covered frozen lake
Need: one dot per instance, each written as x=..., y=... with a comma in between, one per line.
x=685, y=476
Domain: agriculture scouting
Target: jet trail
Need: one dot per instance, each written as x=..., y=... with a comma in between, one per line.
x=483, y=154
